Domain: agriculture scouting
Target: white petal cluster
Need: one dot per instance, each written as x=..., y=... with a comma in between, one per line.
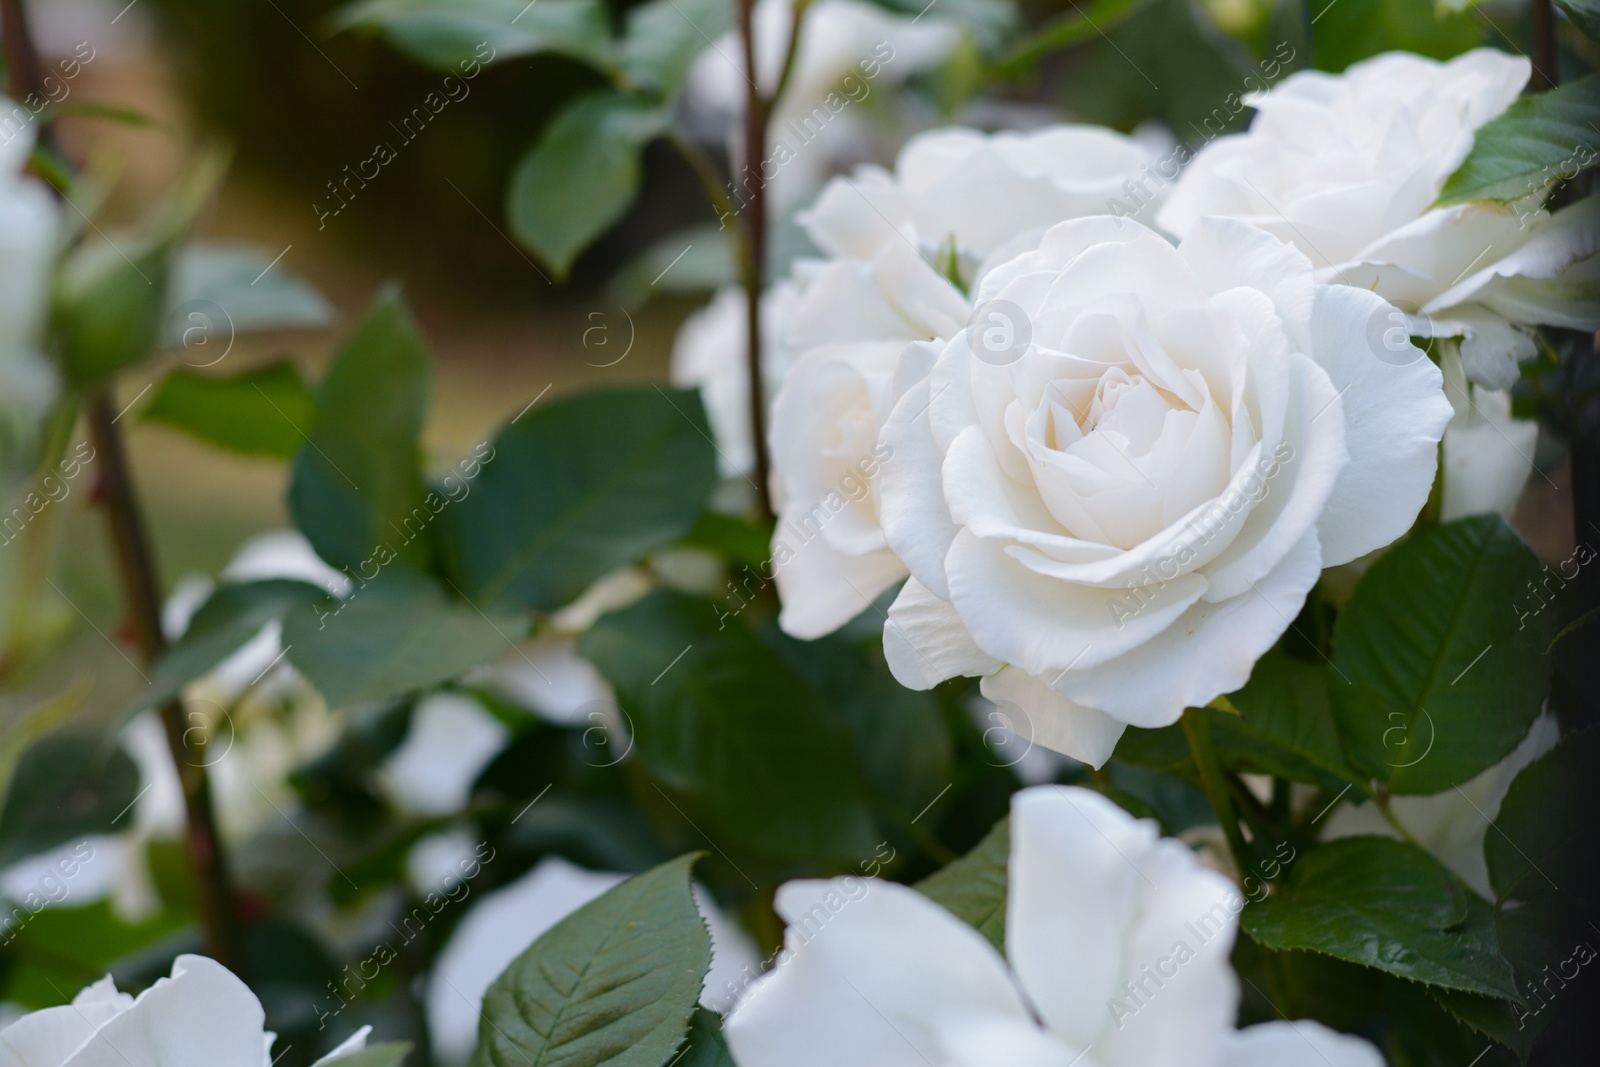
x=200, y=1016
x=1117, y=520
x=1347, y=168
x=903, y=247
x=29, y=221
x=1116, y=955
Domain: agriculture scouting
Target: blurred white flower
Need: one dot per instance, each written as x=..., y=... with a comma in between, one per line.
x=200, y=1016
x=1347, y=168
x=1488, y=455
x=905, y=246
x=505, y=922
x=451, y=740
x=711, y=352
x=1117, y=947
x=852, y=54
x=1453, y=824
x=548, y=677
x=1111, y=516
x=29, y=219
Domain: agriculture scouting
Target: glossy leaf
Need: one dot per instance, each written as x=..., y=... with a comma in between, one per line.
x=581, y=176
x=1538, y=139
x=67, y=786
x=614, y=983
x=704, y=1045
x=398, y=633
x=1540, y=836
x=357, y=481
x=267, y=411
x=1389, y=905
x=577, y=487
x=973, y=887
x=1439, y=661
x=718, y=717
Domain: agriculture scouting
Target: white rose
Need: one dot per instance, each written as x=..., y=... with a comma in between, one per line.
x=1488, y=455
x=1117, y=949
x=1347, y=167
x=1115, y=521
x=28, y=225
x=711, y=352
x=903, y=246
x=201, y=1016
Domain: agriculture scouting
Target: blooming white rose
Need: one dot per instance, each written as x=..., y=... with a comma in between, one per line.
x=1117, y=948
x=28, y=224
x=200, y=1016
x=1347, y=167
x=1488, y=455
x=711, y=352
x=1114, y=520
x=903, y=246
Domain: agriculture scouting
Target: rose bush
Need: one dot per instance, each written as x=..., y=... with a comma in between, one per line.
x=1116, y=955
x=1348, y=167
x=1115, y=522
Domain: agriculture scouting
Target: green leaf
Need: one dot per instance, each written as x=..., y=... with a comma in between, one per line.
x=665, y=36
x=1433, y=683
x=232, y=615
x=1062, y=32
x=720, y=718
x=1285, y=728
x=462, y=35
x=357, y=481
x=1346, y=31
x=614, y=983
x=397, y=633
x=383, y=1054
x=1389, y=905
x=109, y=304
x=1166, y=62
x=692, y=261
x=266, y=411
x=68, y=784
x=1585, y=14
x=1537, y=140
x=581, y=176
x=576, y=488
x=253, y=291
x=973, y=888
x=901, y=740
x=704, y=1045
x=1539, y=838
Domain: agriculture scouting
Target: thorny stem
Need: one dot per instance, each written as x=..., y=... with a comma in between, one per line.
x=213, y=894
x=214, y=898
x=1198, y=730
x=755, y=250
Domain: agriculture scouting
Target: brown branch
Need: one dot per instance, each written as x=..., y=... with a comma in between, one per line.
x=214, y=898
x=755, y=251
